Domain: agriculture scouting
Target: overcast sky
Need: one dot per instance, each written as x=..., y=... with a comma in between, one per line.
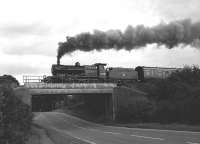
x=31, y=29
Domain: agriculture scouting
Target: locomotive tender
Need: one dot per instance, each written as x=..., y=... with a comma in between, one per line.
x=98, y=73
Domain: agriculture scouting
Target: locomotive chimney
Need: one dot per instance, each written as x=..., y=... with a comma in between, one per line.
x=58, y=57
x=58, y=61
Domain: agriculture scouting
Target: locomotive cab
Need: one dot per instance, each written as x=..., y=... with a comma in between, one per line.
x=101, y=71
x=140, y=71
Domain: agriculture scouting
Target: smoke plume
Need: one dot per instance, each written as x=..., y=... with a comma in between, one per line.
x=171, y=34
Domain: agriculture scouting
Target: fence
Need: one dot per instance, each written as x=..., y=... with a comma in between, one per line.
x=31, y=79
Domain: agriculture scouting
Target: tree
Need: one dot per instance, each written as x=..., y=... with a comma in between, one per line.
x=15, y=116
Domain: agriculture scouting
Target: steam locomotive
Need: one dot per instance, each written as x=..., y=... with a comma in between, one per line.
x=98, y=73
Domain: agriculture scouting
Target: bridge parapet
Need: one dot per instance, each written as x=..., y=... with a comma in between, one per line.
x=33, y=85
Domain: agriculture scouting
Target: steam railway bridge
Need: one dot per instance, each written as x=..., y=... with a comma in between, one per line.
x=99, y=96
x=103, y=98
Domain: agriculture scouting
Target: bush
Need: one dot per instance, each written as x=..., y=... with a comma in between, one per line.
x=178, y=97
x=15, y=117
x=140, y=111
x=8, y=81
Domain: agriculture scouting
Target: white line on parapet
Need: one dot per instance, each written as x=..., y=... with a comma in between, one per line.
x=139, y=136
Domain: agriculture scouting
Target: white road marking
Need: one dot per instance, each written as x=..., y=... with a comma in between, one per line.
x=139, y=136
x=85, y=140
x=156, y=130
x=88, y=141
x=79, y=126
x=115, y=133
x=93, y=129
x=191, y=142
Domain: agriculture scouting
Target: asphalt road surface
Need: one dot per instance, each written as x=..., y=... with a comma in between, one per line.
x=93, y=133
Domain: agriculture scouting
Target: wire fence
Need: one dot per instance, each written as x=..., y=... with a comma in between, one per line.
x=33, y=79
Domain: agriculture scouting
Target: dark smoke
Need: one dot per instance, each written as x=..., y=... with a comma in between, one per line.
x=172, y=34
